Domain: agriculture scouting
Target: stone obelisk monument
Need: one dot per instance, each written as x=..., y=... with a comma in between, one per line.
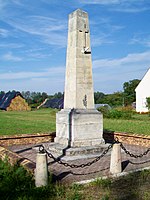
x=79, y=124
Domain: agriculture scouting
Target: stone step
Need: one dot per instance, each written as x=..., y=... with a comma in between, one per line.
x=74, y=153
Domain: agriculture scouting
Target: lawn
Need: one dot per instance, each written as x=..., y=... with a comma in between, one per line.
x=37, y=121
x=43, y=121
x=139, y=124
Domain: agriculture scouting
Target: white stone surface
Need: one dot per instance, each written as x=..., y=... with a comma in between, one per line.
x=79, y=123
x=79, y=82
x=142, y=92
x=79, y=127
x=115, y=163
x=41, y=171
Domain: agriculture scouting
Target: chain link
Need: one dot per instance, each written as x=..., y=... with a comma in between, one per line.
x=139, y=163
x=116, y=141
x=43, y=150
x=133, y=155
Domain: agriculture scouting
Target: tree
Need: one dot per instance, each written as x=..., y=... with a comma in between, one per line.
x=148, y=103
x=2, y=92
x=58, y=95
x=129, y=91
x=34, y=98
x=44, y=96
x=27, y=96
x=114, y=99
x=98, y=96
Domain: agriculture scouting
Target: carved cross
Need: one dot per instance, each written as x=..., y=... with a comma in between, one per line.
x=85, y=31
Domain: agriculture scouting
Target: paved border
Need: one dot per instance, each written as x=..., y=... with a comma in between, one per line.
x=112, y=176
x=14, y=157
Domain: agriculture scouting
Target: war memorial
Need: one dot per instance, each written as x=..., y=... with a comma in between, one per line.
x=79, y=152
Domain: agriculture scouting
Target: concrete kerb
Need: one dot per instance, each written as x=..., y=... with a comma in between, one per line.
x=111, y=176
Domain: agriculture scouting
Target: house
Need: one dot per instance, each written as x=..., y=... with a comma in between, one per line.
x=53, y=103
x=142, y=92
x=13, y=101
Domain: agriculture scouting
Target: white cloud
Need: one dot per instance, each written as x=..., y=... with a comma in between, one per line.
x=50, y=30
x=131, y=60
x=104, y=35
x=17, y=2
x=110, y=74
x=2, y=4
x=102, y=2
x=50, y=85
x=11, y=45
x=51, y=72
x=10, y=57
x=4, y=33
x=100, y=40
x=50, y=80
x=131, y=10
x=141, y=38
x=129, y=6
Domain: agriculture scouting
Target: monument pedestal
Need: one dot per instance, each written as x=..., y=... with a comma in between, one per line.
x=79, y=134
x=79, y=127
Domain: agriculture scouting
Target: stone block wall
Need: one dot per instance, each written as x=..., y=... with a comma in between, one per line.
x=134, y=139
x=38, y=138
x=26, y=139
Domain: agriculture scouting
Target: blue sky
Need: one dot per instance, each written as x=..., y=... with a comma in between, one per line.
x=33, y=41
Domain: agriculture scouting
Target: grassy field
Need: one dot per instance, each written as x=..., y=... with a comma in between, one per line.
x=139, y=124
x=38, y=121
x=43, y=121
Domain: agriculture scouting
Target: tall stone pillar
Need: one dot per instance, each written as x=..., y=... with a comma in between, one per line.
x=79, y=123
x=79, y=84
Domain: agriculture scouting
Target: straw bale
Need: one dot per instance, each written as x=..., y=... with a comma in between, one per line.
x=18, y=104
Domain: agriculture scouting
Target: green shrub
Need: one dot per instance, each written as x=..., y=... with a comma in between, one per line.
x=104, y=110
x=14, y=181
x=18, y=184
x=118, y=114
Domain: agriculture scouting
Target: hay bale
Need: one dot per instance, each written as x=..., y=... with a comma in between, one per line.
x=18, y=104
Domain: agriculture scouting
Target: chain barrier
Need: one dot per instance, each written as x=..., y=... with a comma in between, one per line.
x=43, y=150
x=139, y=163
x=96, y=159
x=132, y=155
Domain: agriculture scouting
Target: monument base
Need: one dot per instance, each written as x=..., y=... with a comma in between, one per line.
x=79, y=127
x=75, y=153
x=79, y=134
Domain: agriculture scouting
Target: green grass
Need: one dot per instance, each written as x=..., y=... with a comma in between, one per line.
x=43, y=121
x=17, y=184
x=139, y=124
x=27, y=122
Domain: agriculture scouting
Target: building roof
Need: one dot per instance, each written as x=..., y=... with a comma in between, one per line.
x=146, y=78
x=6, y=98
x=54, y=103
